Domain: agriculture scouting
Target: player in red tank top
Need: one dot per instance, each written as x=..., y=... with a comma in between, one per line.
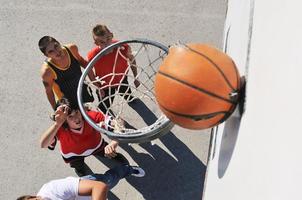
x=111, y=63
x=77, y=138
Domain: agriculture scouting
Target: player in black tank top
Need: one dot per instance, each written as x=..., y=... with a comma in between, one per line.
x=68, y=80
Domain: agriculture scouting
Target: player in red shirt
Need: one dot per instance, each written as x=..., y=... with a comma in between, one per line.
x=77, y=138
x=112, y=65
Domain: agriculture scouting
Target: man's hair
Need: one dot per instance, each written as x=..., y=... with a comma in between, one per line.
x=101, y=30
x=45, y=41
x=65, y=101
x=25, y=197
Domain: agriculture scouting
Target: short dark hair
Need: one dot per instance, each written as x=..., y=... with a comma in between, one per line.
x=25, y=197
x=44, y=42
x=65, y=101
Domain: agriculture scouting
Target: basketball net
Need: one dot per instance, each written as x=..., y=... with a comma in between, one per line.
x=129, y=105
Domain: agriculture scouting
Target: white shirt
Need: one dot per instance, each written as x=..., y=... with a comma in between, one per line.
x=62, y=189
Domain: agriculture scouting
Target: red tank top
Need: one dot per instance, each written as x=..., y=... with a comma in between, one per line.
x=111, y=63
x=81, y=144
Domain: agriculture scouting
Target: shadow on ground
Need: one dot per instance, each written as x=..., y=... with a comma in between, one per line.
x=177, y=177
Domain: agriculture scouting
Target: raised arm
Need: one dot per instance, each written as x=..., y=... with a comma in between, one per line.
x=49, y=135
x=48, y=80
x=97, y=190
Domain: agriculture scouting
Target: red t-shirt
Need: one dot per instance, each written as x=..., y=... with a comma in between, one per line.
x=105, y=65
x=81, y=144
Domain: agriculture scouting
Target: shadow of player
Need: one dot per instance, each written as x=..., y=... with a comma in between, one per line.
x=143, y=111
x=177, y=176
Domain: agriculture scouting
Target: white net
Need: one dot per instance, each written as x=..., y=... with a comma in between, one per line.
x=129, y=90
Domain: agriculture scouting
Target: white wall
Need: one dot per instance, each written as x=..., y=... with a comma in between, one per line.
x=260, y=157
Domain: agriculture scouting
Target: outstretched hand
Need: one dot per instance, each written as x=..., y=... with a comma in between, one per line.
x=110, y=149
x=59, y=117
x=118, y=124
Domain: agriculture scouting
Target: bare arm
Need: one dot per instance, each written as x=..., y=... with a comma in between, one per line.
x=48, y=136
x=75, y=51
x=48, y=80
x=97, y=190
x=110, y=149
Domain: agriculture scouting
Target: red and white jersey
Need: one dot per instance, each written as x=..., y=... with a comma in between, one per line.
x=74, y=145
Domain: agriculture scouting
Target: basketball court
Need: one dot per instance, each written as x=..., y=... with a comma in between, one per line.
x=175, y=164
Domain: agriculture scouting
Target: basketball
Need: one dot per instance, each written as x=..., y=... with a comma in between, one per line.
x=197, y=86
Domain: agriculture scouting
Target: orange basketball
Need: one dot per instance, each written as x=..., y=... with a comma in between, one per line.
x=197, y=86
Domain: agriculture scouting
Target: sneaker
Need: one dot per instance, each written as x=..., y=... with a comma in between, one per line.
x=138, y=172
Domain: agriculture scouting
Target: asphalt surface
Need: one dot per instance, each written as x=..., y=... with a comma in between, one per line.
x=175, y=164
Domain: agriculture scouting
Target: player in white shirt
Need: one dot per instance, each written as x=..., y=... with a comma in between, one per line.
x=94, y=186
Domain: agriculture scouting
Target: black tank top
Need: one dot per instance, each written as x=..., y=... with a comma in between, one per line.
x=68, y=80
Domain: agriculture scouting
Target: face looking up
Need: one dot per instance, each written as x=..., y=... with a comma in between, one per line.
x=54, y=51
x=75, y=120
x=103, y=41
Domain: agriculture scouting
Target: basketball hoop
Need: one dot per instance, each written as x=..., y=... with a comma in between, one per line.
x=146, y=57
